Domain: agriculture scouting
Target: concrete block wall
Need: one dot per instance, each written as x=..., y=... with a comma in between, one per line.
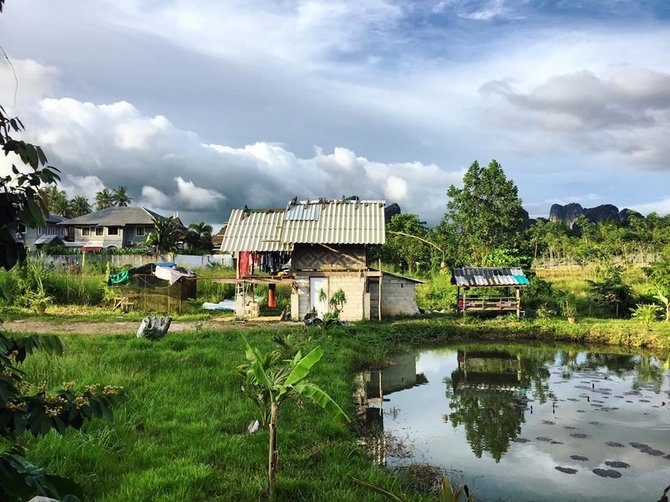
x=356, y=308
x=398, y=297
x=354, y=291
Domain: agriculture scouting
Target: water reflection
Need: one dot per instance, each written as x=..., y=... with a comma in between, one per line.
x=521, y=419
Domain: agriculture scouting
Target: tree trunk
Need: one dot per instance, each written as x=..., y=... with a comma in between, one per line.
x=272, y=453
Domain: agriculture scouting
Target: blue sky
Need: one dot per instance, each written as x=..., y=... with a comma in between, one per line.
x=202, y=106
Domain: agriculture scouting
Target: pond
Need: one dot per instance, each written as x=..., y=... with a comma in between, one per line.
x=523, y=422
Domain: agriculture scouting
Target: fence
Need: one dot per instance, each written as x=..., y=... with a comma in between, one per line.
x=119, y=260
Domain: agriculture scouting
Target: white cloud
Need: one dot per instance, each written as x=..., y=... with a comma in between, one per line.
x=661, y=207
x=87, y=186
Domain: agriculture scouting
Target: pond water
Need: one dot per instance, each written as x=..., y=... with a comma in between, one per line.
x=523, y=422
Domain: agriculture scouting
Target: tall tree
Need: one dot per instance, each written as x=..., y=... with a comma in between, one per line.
x=58, y=203
x=406, y=242
x=485, y=215
x=79, y=206
x=121, y=197
x=104, y=199
x=199, y=237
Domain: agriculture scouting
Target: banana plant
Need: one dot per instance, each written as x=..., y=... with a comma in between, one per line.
x=665, y=300
x=270, y=380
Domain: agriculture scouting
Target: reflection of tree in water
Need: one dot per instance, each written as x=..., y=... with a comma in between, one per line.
x=487, y=395
x=646, y=369
x=491, y=420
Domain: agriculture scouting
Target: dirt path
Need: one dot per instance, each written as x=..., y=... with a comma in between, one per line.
x=122, y=327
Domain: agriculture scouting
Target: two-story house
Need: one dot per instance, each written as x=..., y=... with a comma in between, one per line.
x=52, y=233
x=113, y=227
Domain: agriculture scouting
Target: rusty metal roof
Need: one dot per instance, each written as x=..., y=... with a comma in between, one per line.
x=306, y=222
x=488, y=277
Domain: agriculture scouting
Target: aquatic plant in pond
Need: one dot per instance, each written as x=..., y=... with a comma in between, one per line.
x=522, y=422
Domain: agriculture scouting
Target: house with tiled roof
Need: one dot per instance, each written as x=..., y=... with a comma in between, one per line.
x=113, y=227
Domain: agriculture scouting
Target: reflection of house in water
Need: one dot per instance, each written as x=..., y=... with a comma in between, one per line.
x=480, y=371
x=371, y=388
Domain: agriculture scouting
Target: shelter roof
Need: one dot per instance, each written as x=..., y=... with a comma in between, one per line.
x=115, y=217
x=488, y=276
x=318, y=221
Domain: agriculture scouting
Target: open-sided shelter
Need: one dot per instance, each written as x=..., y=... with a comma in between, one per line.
x=320, y=246
x=509, y=279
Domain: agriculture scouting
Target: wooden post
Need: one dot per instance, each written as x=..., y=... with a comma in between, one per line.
x=379, y=299
x=518, y=302
x=465, y=294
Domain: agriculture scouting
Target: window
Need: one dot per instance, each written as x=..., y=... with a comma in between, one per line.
x=139, y=231
x=99, y=230
x=85, y=231
x=112, y=230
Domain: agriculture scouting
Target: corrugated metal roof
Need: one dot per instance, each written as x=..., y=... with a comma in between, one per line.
x=254, y=231
x=338, y=222
x=488, y=276
x=115, y=216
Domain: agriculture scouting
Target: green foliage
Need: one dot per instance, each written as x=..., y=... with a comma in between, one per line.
x=28, y=408
x=646, y=314
x=120, y=196
x=269, y=381
x=199, y=237
x=610, y=292
x=104, y=199
x=483, y=216
x=21, y=200
x=79, y=206
x=406, y=245
x=165, y=236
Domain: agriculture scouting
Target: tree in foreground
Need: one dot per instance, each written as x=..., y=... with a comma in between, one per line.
x=483, y=216
x=26, y=408
x=270, y=380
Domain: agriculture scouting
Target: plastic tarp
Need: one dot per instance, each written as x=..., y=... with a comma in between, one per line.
x=222, y=305
x=170, y=274
x=120, y=278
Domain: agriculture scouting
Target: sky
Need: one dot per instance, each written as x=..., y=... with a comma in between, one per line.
x=202, y=106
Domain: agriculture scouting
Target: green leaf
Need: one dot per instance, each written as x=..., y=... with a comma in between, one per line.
x=302, y=368
x=316, y=394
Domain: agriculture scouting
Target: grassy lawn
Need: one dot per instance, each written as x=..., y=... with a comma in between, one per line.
x=179, y=430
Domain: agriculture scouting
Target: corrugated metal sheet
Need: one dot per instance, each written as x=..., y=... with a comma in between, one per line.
x=340, y=222
x=337, y=222
x=488, y=276
x=303, y=211
x=254, y=231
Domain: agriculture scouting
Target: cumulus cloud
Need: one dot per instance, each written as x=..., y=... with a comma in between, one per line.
x=626, y=112
x=172, y=171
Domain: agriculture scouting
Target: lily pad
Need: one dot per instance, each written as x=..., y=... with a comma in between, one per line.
x=614, y=444
x=607, y=473
x=579, y=435
x=579, y=457
x=617, y=463
x=567, y=470
x=544, y=438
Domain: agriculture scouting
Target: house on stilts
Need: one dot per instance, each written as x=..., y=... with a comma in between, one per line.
x=321, y=247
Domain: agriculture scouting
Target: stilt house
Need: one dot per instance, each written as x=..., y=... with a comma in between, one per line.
x=321, y=247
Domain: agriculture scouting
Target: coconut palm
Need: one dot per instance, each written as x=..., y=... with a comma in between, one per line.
x=270, y=380
x=199, y=236
x=79, y=206
x=58, y=203
x=121, y=197
x=104, y=199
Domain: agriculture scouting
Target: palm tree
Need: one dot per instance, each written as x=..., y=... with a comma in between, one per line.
x=165, y=237
x=121, y=197
x=270, y=380
x=104, y=199
x=58, y=203
x=199, y=236
x=79, y=206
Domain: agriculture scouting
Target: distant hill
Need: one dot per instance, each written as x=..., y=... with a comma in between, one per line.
x=569, y=213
